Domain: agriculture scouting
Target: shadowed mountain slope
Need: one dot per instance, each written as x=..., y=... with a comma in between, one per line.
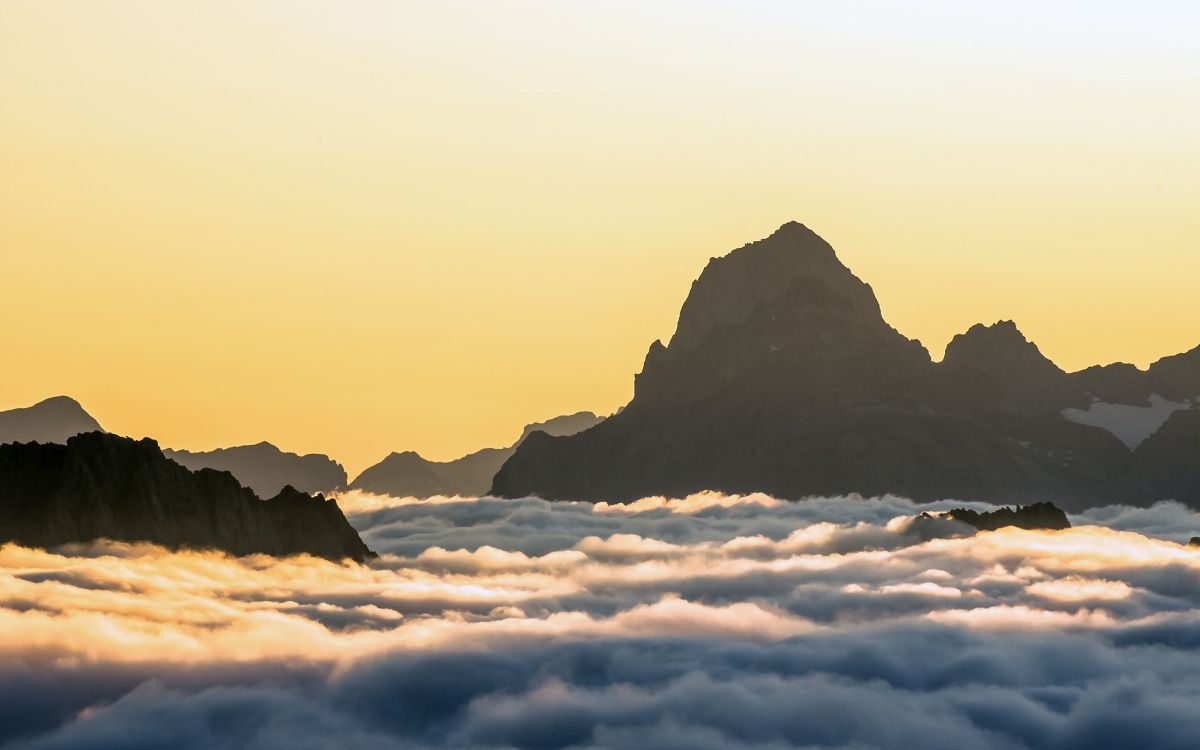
x=784, y=377
x=100, y=486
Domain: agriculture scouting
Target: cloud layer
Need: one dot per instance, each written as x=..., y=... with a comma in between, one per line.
x=714, y=621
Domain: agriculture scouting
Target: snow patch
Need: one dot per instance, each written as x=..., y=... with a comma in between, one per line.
x=1130, y=424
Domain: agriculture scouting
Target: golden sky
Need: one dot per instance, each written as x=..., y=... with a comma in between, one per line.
x=353, y=228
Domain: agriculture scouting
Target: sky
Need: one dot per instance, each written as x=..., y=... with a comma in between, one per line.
x=359, y=228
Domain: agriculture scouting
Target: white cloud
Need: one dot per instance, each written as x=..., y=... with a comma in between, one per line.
x=714, y=621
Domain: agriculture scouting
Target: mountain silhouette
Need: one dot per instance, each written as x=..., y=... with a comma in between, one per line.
x=266, y=469
x=50, y=421
x=783, y=377
x=408, y=474
x=953, y=523
x=1036, y=516
x=101, y=486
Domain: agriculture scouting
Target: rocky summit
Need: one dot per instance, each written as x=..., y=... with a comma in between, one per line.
x=784, y=377
x=100, y=486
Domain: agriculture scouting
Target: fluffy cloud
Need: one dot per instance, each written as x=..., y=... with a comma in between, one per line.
x=710, y=621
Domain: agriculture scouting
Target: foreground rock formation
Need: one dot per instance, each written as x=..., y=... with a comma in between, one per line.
x=408, y=474
x=100, y=486
x=783, y=377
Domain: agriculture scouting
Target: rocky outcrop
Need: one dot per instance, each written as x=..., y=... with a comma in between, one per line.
x=961, y=522
x=50, y=421
x=1044, y=516
x=100, y=486
x=783, y=377
x=408, y=474
x=266, y=469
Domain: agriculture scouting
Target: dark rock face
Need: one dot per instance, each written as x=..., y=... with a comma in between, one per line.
x=50, y=421
x=1176, y=377
x=103, y=486
x=1033, y=517
x=1170, y=458
x=266, y=470
x=783, y=377
x=407, y=474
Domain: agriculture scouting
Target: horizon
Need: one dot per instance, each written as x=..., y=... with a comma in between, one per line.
x=354, y=470
x=390, y=229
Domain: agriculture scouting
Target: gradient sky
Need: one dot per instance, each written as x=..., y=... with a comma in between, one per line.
x=357, y=228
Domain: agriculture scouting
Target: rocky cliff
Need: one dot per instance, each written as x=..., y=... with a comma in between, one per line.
x=100, y=486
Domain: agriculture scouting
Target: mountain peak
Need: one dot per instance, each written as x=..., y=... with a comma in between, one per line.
x=1010, y=369
x=997, y=348
x=781, y=303
x=51, y=420
x=734, y=286
x=783, y=377
x=59, y=401
x=793, y=227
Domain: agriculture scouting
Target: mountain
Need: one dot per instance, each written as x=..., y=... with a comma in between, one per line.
x=50, y=421
x=783, y=377
x=266, y=469
x=101, y=486
x=407, y=474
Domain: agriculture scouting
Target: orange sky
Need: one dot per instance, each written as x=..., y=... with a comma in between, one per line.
x=360, y=228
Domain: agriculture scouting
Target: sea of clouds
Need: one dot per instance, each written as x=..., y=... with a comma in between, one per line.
x=708, y=622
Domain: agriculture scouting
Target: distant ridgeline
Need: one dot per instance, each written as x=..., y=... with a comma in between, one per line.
x=266, y=469
x=263, y=468
x=50, y=421
x=101, y=486
x=783, y=377
x=409, y=475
